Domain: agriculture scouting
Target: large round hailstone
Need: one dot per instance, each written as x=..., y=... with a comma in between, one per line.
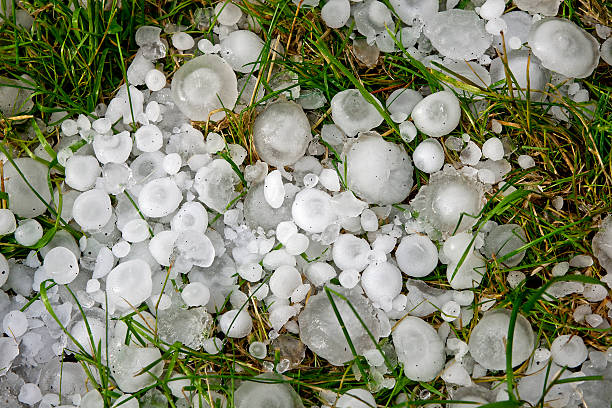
x=526, y=70
x=205, y=84
x=438, y=114
x=356, y=398
x=564, y=47
x=236, y=323
x=127, y=365
x=312, y=210
x=489, y=338
x=382, y=283
x=23, y=201
x=503, y=240
x=82, y=171
x=351, y=253
x=242, y=49
x=129, y=284
x=92, y=209
x=458, y=34
x=568, y=350
x=267, y=390
x=418, y=348
x=322, y=333
x=61, y=265
x=416, y=255
x=410, y=11
x=352, y=113
x=4, y=270
x=335, y=13
x=450, y=202
x=281, y=133
x=378, y=171
x=159, y=197
x=428, y=156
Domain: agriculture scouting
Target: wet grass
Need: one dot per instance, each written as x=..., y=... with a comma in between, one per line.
x=77, y=57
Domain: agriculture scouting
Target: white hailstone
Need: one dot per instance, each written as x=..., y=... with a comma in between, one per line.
x=195, y=294
x=486, y=176
x=61, y=265
x=416, y=255
x=335, y=13
x=155, y=80
x=407, y=131
x=153, y=111
x=102, y=125
x=310, y=180
x=413, y=11
x=251, y=271
x=351, y=252
x=471, y=154
x=182, y=41
x=214, y=143
x=266, y=390
x=92, y=399
x=560, y=269
x=193, y=247
x=581, y=261
x=28, y=232
x=593, y=319
x=192, y=84
x=242, y=50
x=496, y=26
x=489, y=338
x=352, y=113
x=15, y=323
x=568, y=350
x=81, y=172
x=111, y=148
x=172, y=163
x=564, y=47
x=594, y=292
x=382, y=283
x=438, y=114
x=23, y=202
x=93, y=285
x=281, y=133
x=369, y=220
x=526, y=70
x=136, y=230
x=149, y=138
x=378, y=171
x=312, y=210
x=92, y=209
x=258, y=350
x=356, y=398
x=29, y=394
x=191, y=216
x=236, y=323
x=297, y=244
x=159, y=197
x=450, y=311
x=274, y=190
x=492, y=9
x=525, y=161
x=401, y=102
x=4, y=270
x=418, y=348
x=227, y=13
x=8, y=224
x=127, y=364
x=329, y=179
x=129, y=284
x=493, y=149
x=284, y=281
x=69, y=127
x=319, y=273
x=127, y=401
x=121, y=249
x=349, y=278
x=428, y=156
x=458, y=34
x=207, y=47
x=515, y=43
x=284, y=231
x=162, y=245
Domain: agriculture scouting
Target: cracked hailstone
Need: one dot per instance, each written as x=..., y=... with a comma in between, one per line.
x=266, y=391
x=458, y=34
x=204, y=84
x=438, y=114
x=352, y=113
x=378, y=171
x=450, y=202
x=418, y=348
x=281, y=133
x=23, y=202
x=564, y=47
x=321, y=331
x=489, y=338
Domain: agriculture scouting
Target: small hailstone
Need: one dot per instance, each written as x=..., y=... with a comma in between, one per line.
x=369, y=220
x=81, y=172
x=438, y=114
x=335, y=13
x=297, y=244
x=182, y=41
x=172, y=163
x=195, y=294
x=8, y=223
x=471, y=154
x=92, y=286
x=155, y=80
x=464, y=297
x=486, y=176
x=129, y=284
x=454, y=143
x=284, y=281
x=493, y=149
x=525, y=161
x=236, y=323
x=568, y=350
x=407, y=131
x=382, y=282
x=206, y=46
x=318, y=273
x=581, y=261
x=242, y=49
x=310, y=180
x=557, y=203
x=258, y=350
x=593, y=320
x=285, y=230
x=149, y=138
x=515, y=278
x=419, y=348
x=121, y=249
x=560, y=269
x=329, y=179
x=274, y=191
x=69, y=127
x=102, y=125
x=153, y=111
x=159, y=197
x=28, y=232
x=83, y=122
x=450, y=311
x=428, y=156
x=496, y=26
x=29, y=394
x=213, y=345
x=214, y=143
x=416, y=255
x=594, y=292
x=312, y=210
x=352, y=113
x=349, y=278
x=351, y=252
x=492, y=9
x=15, y=323
x=228, y=13
x=515, y=43
x=251, y=272
x=580, y=312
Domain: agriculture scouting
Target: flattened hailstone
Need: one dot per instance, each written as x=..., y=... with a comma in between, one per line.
x=258, y=213
x=351, y=253
x=335, y=13
x=564, y=47
x=241, y=49
x=352, y=113
x=204, y=84
x=450, y=201
x=312, y=210
x=602, y=244
x=356, y=398
x=428, y=156
x=401, y=102
x=438, y=114
x=504, y=239
x=236, y=323
x=129, y=284
x=518, y=63
x=159, y=197
x=321, y=332
x=411, y=10
x=191, y=216
x=545, y=7
x=418, y=348
x=127, y=364
x=382, y=282
x=92, y=209
x=281, y=133
x=489, y=338
x=82, y=171
x=568, y=350
x=23, y=202
x=61, y=265
x=266, y=391
x=458, y=34
x=416, y=255
x=215, y=184
x=378, y=171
